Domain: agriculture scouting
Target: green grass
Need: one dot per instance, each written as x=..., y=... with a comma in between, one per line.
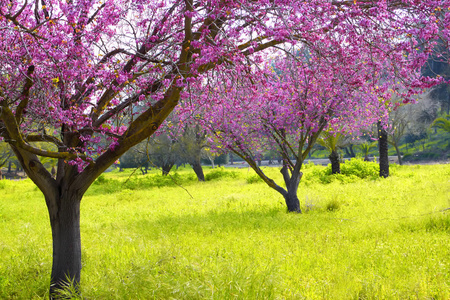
x=357, y=239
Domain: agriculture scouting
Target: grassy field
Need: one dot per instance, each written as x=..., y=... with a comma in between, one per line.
x=145, y=237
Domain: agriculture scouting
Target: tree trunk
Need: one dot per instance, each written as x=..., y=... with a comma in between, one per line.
x=197, y=167
x=292, y=202
x=399, y=155
x=352, y=152
x=335, y=163
x=347, y=152
x=290, y=196
x=9, y=166
x=65, y=223
x=383, y=149
x=166, y=169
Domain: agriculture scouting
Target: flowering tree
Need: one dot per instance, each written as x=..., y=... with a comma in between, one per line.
x=338, y=81
x=73, y=73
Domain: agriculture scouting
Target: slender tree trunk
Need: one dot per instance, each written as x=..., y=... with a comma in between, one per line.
x=65, y=223
x=352, y=152
x=383, y=150
x=197, y=167
x=347, y=152
x=335, y=163
x=399, y=155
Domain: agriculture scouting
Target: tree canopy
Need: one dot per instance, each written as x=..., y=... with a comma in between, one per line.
x=74, y=73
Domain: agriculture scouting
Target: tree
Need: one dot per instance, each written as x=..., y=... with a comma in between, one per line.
x=442, y=123
x=193, y=143
x=72, y=73
x=136, y=157
x=334, y=142
x=366, y=147
x=163, y=152
x=399, y=124
x=288, y=110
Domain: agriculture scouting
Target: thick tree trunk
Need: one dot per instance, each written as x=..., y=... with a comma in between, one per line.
x=197, y=167
x=290, y=196
x=166, y=169
x=383, y=149
x=335, y=163
x=65, y=223
x=292, y=202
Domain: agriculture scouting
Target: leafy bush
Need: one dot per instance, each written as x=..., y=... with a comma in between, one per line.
x=308, y=165
x=142, y=182
x=101, y=180
x=351, y=171
x=253, y=179
x=220, y=173
x=333, y=205
x=360, y=168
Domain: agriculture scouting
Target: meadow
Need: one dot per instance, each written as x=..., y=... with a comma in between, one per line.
x=155, y=237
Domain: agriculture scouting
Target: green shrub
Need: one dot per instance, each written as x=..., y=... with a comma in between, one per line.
x=218, y=173
x=333, y=204
x=351, y=171
x=360, y=168
x=142, y=182
x=101, y=180
x=254, y=179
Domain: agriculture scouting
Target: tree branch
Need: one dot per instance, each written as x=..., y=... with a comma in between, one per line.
x=25, y=94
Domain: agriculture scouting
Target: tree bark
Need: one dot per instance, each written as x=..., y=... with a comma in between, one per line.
x=292, y=202
x=292, y=182
x=383, y=150
x=197, y=167
x=65, y=224
x=166, y=169
x=399, y=155
x=335, y=163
